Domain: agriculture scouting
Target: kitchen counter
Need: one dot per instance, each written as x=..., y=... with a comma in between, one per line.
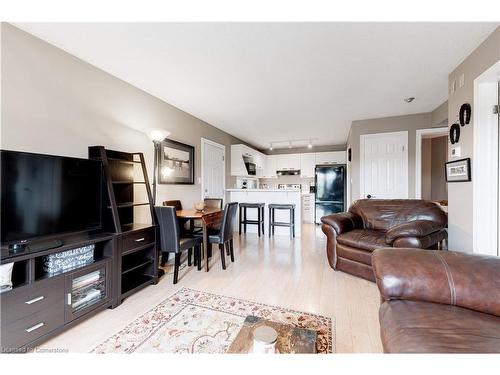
x=266, y=190
x=269, y=196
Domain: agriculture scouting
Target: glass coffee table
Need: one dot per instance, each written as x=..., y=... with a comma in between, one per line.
x=291, y=340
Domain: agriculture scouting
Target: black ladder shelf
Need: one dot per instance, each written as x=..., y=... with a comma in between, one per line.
x=137, y=254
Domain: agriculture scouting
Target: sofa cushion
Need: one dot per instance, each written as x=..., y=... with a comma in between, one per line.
x=366, y=239
x=383, y=214
x=426, y=327
x=355, y=254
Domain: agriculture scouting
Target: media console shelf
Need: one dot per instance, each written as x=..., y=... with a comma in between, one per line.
x=41, y=305
x=128, y=191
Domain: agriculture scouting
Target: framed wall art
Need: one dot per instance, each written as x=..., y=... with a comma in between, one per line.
x=458, y=170
x=175, y=163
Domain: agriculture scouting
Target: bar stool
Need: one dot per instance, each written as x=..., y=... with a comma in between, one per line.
x=273, y=223
x=260, y=216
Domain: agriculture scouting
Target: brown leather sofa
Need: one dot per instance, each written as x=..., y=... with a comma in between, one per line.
x=438, y=301
x=377, y=223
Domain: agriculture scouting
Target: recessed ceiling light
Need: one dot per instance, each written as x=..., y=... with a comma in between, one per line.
x=410, y=99
x=271, y=147
x=290, y=144
x=310, y=145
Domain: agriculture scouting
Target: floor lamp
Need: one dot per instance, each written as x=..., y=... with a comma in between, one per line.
x=157, y=136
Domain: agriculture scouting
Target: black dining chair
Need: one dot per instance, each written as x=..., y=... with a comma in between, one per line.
x=209, y=203
x=172, y=242
x=178, y=206
x=213, y=203
x=224, y=235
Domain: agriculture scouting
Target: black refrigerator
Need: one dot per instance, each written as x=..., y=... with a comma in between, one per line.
x=330, y=193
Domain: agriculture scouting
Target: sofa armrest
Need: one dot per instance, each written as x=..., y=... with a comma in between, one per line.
x=453, y=278
x=343, y=222
x=416, y=228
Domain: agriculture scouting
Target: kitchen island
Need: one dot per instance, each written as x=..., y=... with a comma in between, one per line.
x=269, y=196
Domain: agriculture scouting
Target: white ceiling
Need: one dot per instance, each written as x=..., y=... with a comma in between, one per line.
x=266, y=82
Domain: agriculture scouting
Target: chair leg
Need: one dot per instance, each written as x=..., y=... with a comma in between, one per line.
x=164, y=259
x=199, y=251
x=240, y=220
x=262, y=221
x=190, y=256
x=258, y=221
x=269, y=220
x=222, y=256
x=176, y=267
x=227, y=248
x=210, y=250
x=245, y=220
x=231, y=249
x=293, y=222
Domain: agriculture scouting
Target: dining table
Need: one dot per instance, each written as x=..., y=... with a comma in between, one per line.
x=210, y=218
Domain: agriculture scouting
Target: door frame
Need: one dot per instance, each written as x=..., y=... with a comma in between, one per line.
x=205, y=141
x=418, y=155
x=362, y=139
x=485, y=174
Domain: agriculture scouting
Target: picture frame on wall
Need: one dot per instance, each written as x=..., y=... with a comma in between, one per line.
x=175, y=163
x=458, y=170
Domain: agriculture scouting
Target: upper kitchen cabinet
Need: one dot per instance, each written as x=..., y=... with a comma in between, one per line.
x=245, y=161
x=270, y=169
x=307, y=165
x=288, y=162
x=334, y=157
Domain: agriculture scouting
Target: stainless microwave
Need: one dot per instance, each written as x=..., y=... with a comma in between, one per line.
x=251, y=169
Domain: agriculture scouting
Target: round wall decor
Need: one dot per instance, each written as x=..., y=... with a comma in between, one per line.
x=454, y=133
x=465, y=113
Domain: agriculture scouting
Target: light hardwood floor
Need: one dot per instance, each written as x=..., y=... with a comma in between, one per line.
x=277, y=271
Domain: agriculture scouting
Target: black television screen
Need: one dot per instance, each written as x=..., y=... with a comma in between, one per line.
x=45, y=195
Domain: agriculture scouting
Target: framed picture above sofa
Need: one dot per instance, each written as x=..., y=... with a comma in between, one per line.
x=175, y=163
x=458, y=170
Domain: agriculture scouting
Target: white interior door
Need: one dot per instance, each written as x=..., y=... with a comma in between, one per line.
x=212, y=169
x=384, y=165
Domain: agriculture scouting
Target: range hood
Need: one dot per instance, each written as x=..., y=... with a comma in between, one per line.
x=288, y=172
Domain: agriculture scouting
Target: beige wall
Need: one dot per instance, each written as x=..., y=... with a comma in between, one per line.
x=54, y=103
x=460, y=195
x=304, y=150
x=426, y=168
x=438, y=159
x=409, y=123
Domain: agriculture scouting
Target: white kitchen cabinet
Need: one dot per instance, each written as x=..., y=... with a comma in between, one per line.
x=334, y=157
x=308, y=208
x=288, y=161
x=241, y=153
x=307, y=165
x=270, y=169
x=237, y=163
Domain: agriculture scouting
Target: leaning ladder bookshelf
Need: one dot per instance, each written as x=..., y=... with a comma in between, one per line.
x=137, y=255
x=119, y=177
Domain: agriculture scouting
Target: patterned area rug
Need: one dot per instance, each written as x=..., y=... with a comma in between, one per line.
x=192, y=321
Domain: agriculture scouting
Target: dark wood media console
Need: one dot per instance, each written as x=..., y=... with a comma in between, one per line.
x=41, y=305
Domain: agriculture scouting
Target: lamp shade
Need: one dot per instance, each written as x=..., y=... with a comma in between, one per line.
x=156, y=134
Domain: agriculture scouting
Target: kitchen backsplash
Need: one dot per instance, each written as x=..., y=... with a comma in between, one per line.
x=272, y=183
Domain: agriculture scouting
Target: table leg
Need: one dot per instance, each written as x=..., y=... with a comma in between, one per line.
x=205, y=244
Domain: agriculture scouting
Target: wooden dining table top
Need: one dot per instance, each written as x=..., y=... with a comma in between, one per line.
x=194, y=214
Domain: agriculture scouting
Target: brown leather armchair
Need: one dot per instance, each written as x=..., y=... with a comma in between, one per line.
x=438, y=301
x=377, y=223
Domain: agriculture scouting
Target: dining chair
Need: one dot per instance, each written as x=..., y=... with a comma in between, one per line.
x=224, y=235
x=213, y=203
x=178, y=207
x=171, y=240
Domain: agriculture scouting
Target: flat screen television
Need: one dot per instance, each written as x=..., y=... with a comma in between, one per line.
x=45, y=195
